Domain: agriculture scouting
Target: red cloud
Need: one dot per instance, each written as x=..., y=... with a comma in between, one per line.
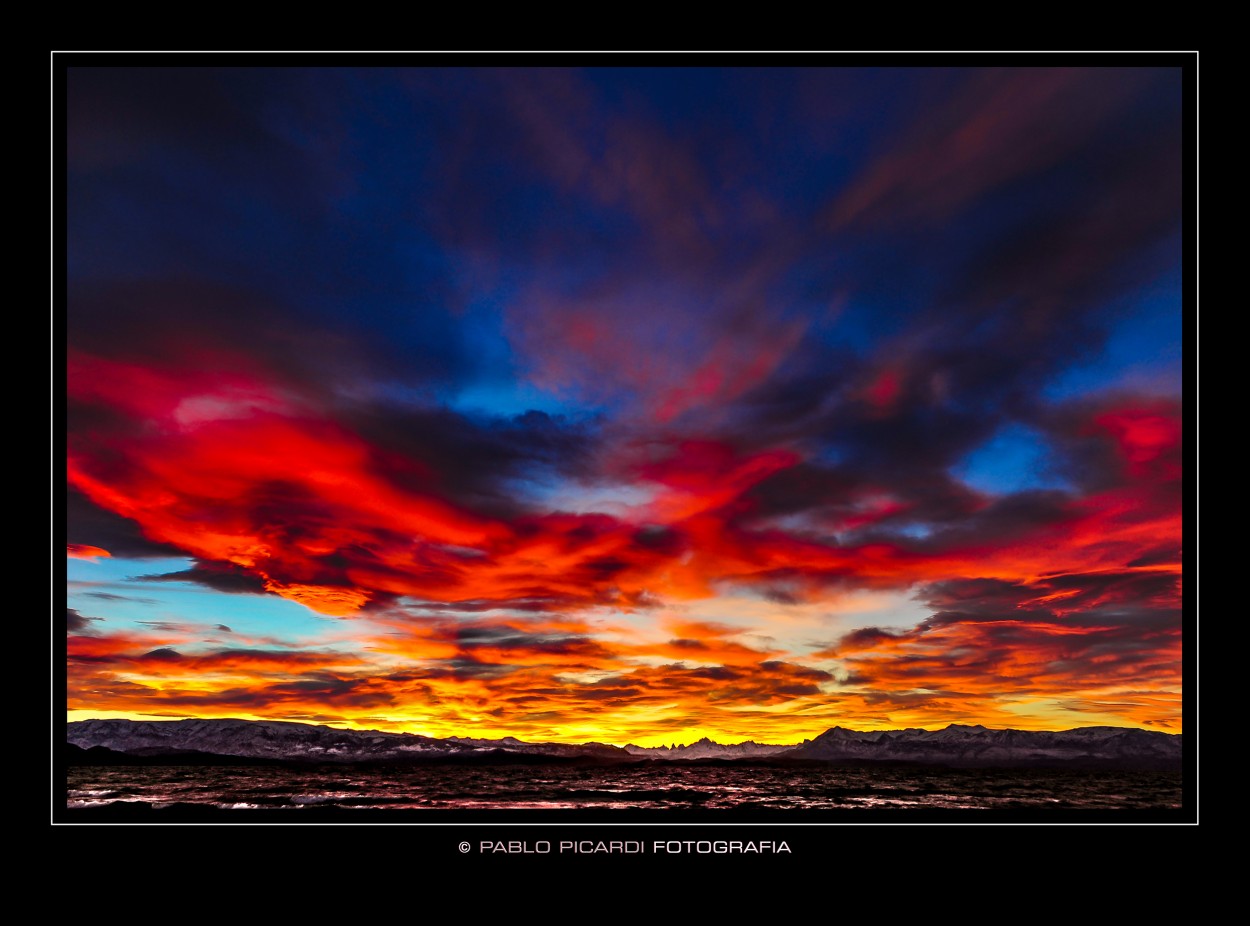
x=329, y=520
x=235, y=470
x=85, y=551
x=1149, y=439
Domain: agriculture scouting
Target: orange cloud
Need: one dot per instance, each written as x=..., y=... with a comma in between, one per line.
x=233, y=470
x=86, y=551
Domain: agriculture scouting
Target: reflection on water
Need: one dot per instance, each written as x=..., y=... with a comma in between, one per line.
x=643, y=787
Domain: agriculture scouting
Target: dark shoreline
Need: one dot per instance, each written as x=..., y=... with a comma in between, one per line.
x=144, y=812
x=102, y=757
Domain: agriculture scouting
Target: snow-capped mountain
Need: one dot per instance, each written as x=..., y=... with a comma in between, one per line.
x=272, y=739
x=706, y=749
x=980, y=747
x=955, y=745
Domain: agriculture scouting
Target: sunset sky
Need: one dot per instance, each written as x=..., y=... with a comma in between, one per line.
x=630, y=405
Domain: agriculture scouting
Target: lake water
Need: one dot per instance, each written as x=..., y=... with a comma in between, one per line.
x=652, y=789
